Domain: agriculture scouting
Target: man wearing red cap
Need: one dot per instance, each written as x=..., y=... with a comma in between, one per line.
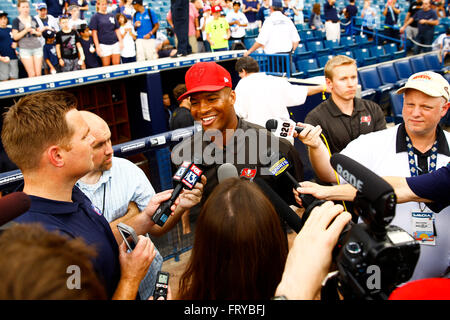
x=226, y=138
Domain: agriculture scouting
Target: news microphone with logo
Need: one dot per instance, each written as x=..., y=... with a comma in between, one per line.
x=13, y=205
x=187, y=176
x=283, y=127
x=280, y=168
x=377, y=200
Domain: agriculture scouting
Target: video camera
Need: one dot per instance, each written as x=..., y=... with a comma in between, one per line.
x=373, y=257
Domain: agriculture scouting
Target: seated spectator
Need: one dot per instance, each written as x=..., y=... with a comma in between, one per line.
x=128, y=53
x=37, y=265
x=75, y=21
x=91, y=58
x=239, y=248
x=9, y=67
x=50, y=57
x=181, y=116
x=106, y=35
x=315, y=22
x=25, y=31
x=68, y=47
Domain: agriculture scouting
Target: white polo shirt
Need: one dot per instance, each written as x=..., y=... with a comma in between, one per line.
x=277, y=33
x=384, y=152
x=237, y=31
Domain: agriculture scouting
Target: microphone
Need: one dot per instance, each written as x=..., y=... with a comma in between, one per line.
x=225, y=171
x=283, y=128
x=187, y=176
x=375, y=200
x=280, y=168
x=13, y=205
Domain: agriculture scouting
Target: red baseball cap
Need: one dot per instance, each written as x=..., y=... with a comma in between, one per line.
x=205, y=76
x=216, y=9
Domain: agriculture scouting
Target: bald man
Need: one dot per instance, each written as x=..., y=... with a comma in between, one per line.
x=120, y=190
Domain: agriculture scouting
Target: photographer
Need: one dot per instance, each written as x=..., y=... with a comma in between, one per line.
x=309, y=259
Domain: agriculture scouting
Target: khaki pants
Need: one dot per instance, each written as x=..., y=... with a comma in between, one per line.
x=145, y=50
x=192, y=43
x=333, y=30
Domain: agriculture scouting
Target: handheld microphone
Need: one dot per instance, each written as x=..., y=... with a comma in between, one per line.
x=375, y=200
x=283, y=128
x=13, y=205
x=280, y=168
x=187, y=175
x=225, y=171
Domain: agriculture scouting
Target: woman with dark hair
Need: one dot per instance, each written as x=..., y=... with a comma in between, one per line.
x=239, y=249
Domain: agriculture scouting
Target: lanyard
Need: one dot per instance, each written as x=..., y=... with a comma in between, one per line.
x=412, y=160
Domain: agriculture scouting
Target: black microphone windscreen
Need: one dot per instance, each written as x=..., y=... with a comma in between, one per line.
x=271, y=124
x=281, y=207
x=225, y=171
x=13, y=205
x=363, y=179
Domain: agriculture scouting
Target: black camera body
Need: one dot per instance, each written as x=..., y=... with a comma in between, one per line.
x=373, y=257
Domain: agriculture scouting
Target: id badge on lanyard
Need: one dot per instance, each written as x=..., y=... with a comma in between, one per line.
x=423, y=220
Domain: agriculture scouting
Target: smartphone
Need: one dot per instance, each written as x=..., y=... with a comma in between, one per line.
x=162, y=285
x=129, y=235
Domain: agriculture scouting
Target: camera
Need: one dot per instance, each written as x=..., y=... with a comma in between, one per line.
x=373, y=257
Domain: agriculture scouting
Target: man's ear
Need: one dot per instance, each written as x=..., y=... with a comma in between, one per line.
x=54, y=156
x=444, y=109
x=232, y=97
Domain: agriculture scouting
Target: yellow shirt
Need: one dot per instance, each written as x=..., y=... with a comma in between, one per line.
x=217, y=30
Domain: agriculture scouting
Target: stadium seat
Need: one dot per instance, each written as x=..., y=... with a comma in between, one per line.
x=322, y=60
x=391, y=49
x=389, y=76
x=307, y=36
x=347, y=42
x=348, y=54
x=363, y=57
x=432, y=62
x=418, y=64
x=396, y=107
x=309, y=67
x=362, y=41
x=378, y=52
x=301, y=52
x=334, y=46
x=403, y=69
x=248, y=42
x=371, y=80
x=317, y=48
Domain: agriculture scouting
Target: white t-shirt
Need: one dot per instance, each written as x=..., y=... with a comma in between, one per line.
x=236, y=30
x=277, y=34
x=260, y=97
x=377, y=152
x=129, y=47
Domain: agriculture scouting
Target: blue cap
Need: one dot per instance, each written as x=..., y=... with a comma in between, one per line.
x=277, y=3
x=41, y=5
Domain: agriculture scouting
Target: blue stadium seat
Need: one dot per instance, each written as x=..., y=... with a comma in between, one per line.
x=362, y=41
x=363, y=57
x=432, y=62
x=307, y=35
x=371, y=80
x=317, y=48
x=403, y=69
x=348, y=42
x=396, y=106
x=301, y=52
x=322, y=60
x=248, y=42
x=418, y=64
x=348, y=54
x=389, y=76
x=319, y=35
x=378, y=52
x=334, y=46
x=309, y=67
x=391, y=49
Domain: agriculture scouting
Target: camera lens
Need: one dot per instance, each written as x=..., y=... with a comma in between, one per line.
x=353, y=247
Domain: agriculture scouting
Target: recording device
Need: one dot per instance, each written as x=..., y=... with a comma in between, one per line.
x=129, y=235
x=162, y=285
x=283, y=128
x=364, y=248
x=13, y=205
x=186, y=177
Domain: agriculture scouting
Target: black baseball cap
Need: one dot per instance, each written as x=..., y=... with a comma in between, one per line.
x=3, y=13
x=48, y=34
x=137, y=2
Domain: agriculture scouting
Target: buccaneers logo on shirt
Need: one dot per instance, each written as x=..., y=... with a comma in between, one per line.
x=366, y=119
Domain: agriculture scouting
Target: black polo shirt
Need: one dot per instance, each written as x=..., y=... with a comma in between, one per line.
x=181, y=118
x=339, y=129
x=201, y=147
